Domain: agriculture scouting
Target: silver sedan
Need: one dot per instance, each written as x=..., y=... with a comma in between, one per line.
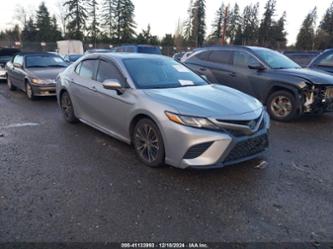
x=168, y=113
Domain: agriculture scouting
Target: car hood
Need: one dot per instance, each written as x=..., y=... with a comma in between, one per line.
x=45, y=73
x=213, y=101
x=313, y=76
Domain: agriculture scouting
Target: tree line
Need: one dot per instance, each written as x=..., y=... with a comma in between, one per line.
x=113, y=22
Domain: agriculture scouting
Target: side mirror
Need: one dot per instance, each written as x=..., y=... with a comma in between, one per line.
x=114, y=85
x=17, y=65
x=257, y=66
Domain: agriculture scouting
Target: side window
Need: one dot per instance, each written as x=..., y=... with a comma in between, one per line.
x=242, y=59
x=88, y=69
x=108, y=71
x=327, y=61
x=221, y=57
x=203, y=56
x=18, y=60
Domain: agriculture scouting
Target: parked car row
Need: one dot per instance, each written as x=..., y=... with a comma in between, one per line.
x=197, y=114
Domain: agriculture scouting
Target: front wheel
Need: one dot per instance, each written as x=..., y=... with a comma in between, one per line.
x=29, y=91
x=148, y=143
x=282, y=106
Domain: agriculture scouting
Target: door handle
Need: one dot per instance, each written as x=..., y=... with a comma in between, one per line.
x=233, y=74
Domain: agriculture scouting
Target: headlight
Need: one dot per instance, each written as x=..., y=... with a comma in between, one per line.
x=196, y=122
x=42, y=81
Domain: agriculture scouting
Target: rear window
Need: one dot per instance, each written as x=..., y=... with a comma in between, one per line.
x=221, y=57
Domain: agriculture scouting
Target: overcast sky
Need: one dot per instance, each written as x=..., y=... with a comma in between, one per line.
x=163, y=15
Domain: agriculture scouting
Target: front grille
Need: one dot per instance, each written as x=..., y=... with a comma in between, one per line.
x=197, y=150
x=248, y=148
x=241, y=133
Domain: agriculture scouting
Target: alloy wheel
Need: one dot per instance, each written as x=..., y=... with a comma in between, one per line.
x=66, y=106
x=147, y=143
x=281, y=106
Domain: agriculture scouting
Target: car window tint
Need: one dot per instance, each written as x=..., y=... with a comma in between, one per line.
x=18, y=60
x=327, y=61
x=203, y=56
x=108, y=71
x=88, y=68
x=221, y=57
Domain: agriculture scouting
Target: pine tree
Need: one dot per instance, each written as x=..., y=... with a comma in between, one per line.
x=234, y=23
x=93, y=29
x=324, y=35
x=56, y=33
x=29, y=32
x=250, y=25
x=195, y=26
x=279, y=40
x=108, y=11
x=76, y=18
x=306, y=35
x=265, y=29
x=124, y=21
x=43, y=23
x=217, y=25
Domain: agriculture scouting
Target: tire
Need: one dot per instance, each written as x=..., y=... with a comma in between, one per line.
x=148, y=143
x=67, y=108
x=29, y=91
x=282, y=106
x=10, y=85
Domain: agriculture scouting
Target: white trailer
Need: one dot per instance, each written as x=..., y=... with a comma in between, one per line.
x=68, y=47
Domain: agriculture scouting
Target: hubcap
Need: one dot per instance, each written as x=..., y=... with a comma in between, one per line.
x=66, y=105
x=281, y=106
x=147, y=143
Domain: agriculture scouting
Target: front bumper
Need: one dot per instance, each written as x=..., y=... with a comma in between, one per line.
x=196, y=148
x=44, y=90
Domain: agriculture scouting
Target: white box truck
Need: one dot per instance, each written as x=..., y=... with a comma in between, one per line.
x=69, y=47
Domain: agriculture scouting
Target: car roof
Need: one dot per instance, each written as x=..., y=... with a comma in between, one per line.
x=36, y=53
x=122, y=56
x=229, y=47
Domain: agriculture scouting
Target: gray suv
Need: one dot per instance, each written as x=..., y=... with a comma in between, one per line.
x=283, y=86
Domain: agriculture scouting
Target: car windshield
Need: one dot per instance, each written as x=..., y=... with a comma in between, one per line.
x=275, y=59
x=44, y=61
x=74, y=57
x=152, y=73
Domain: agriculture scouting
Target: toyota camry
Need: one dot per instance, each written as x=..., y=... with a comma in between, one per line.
x=168, y=113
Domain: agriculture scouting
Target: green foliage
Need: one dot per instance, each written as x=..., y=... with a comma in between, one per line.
x=76, y=18
x=306, y=35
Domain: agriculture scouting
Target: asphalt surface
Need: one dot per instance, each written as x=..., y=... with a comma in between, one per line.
x=61, y=183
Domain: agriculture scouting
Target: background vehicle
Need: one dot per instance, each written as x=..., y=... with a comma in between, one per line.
x=302, y=58
x=178, y=56
x=143, y=49
x=67, y=47
x=6, y=54
x=283, y=86
x=323, y=62
x=70, y=58
x=99, y=51
x=166, y=111
x=34, y=73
